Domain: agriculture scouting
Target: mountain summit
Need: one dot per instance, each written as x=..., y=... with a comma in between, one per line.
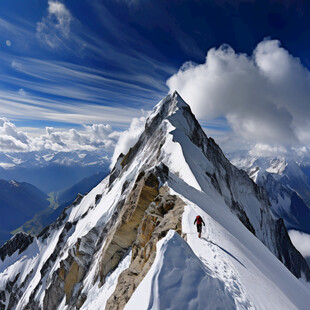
x=131, y=242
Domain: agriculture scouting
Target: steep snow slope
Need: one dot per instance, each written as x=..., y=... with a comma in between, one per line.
x=74, y=263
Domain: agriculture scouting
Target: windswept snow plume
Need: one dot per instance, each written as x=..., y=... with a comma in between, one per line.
x=128, y=138
x=264, y=97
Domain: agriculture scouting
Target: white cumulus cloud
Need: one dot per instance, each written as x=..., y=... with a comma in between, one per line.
x=264, y=97
x=55, y=27
x=12, y=139
x=89, y=138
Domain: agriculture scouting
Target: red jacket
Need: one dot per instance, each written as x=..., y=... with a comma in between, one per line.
x=199, y=220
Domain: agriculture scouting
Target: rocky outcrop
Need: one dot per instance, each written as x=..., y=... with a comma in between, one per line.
x=116, y=170
x=20, y=242
x=240, y=213
x=2, y=300
x=124, y=234
x=163, y=214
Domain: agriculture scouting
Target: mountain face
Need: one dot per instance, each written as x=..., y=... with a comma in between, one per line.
x=287, y=187
x=131, y=243
x=52, y=171
x=19, y=202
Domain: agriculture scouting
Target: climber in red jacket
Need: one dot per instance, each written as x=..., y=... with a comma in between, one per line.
x=199, y=221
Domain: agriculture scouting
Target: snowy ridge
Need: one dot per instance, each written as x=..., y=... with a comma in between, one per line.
x=178, y=278
x=239, y=253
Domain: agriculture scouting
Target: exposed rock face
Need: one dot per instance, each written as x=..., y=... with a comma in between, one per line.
x=117, y=244
x=20, y=242
x=116, y=170
x=163, y=214
x=2, y=300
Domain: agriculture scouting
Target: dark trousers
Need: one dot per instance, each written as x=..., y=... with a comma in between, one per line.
x=199, y=228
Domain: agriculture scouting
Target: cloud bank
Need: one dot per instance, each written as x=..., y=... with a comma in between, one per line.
x=89, y=138
x=264, y=97
x=12, y=139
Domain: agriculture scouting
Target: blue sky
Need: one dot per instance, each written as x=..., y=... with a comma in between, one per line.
x=65, y=64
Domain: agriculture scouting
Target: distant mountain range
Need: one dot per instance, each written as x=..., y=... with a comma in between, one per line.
x=42, y=158
x=19, y=202
x=287, y=183
x=52, y=171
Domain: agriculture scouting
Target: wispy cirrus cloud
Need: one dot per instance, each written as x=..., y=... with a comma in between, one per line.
x=77, y=79
x=105, y=82
x=64, y=92
x=54, y=27
x=21, y=107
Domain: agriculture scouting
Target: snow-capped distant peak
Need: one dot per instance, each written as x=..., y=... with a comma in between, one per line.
x=277, y=166
x=14, y=183
x=83, y=155
x=48, y=157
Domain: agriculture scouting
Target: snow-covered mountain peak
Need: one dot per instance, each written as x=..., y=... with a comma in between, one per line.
x=102, y=248
x=173, y=104
x=169, y=104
